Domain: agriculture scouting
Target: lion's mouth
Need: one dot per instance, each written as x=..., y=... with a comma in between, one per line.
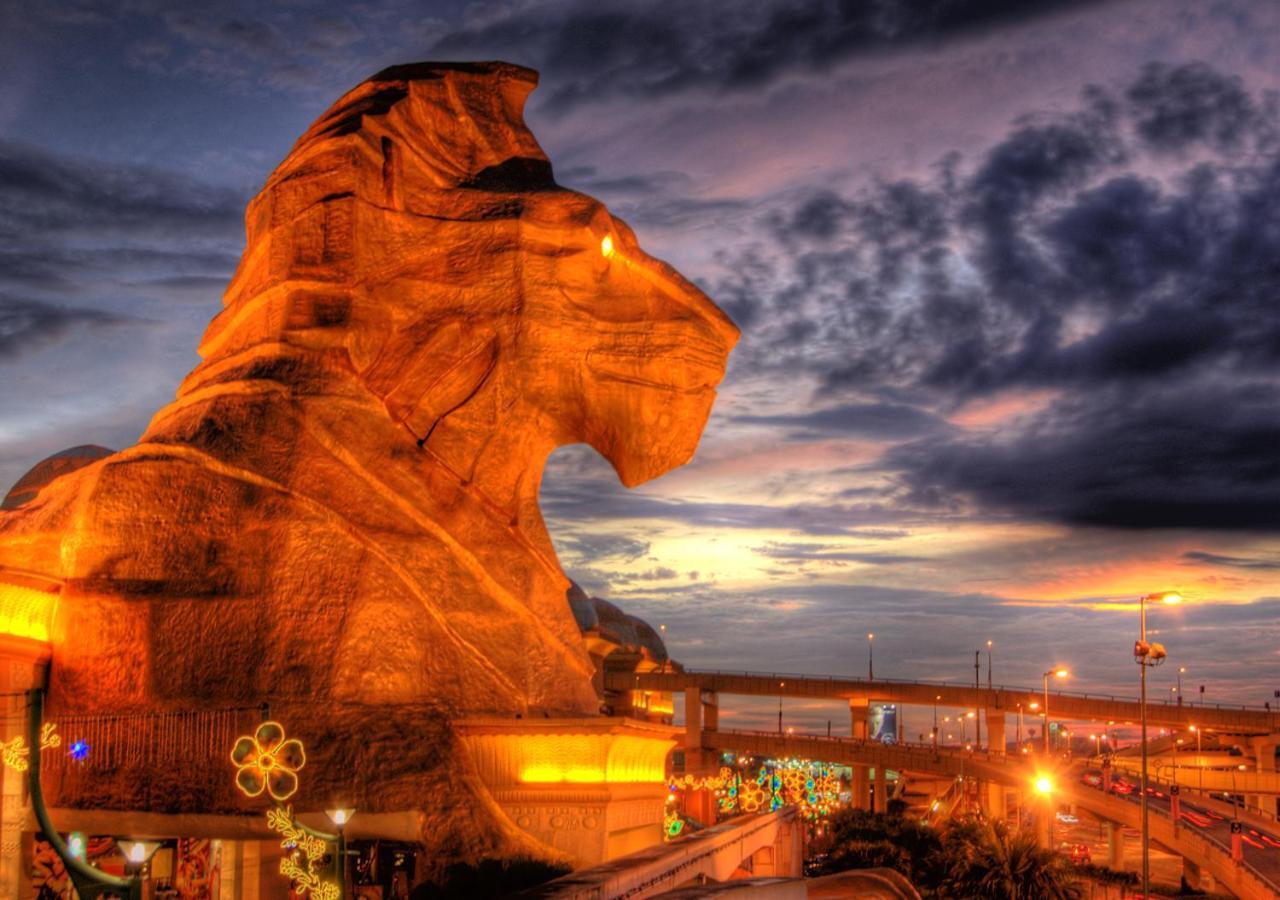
x=683, y=367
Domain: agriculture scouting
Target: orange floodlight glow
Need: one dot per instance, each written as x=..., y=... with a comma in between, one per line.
x=26, y=612
x=586, y=758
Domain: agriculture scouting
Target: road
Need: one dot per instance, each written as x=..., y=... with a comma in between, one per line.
x=1261, y=846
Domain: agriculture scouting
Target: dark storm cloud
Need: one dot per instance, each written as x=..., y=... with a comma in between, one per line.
x=1124, y=257
x=83, y=227
x=794, y=552
x=43, y=195
x=1204, y=557
x=595, y=51
x=1178, y=106
x=27, y=325
x=1196, y=458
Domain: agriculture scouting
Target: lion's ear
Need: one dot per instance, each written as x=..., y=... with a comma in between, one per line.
x=422, y=378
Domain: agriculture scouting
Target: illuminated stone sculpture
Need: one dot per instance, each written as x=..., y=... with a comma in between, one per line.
x=339, y=514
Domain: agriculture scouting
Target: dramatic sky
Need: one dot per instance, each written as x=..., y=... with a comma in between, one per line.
x=1007, y=275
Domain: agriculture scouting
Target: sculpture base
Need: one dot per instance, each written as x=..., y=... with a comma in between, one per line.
x=593, y=789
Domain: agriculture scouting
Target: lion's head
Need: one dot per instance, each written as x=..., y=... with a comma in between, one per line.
x=417, y=231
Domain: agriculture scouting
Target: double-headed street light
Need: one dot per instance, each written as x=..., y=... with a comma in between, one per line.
x=1147, y=655
x=1056, y=672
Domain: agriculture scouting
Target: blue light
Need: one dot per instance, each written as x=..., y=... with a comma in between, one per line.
x=79, y=750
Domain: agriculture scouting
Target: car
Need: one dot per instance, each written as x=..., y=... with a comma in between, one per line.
x=1120, y=786
x=1092, y=778
x=1068, y=819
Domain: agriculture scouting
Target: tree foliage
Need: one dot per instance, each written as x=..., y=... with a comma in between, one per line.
x=967, y=858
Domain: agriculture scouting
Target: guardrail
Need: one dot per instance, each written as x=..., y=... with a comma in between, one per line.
x=661, y=868
x=954, y=685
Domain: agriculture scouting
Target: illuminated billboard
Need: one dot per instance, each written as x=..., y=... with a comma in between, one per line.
x=882, y=722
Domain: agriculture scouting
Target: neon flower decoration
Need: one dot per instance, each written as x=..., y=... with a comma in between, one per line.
x=14, y=753
x=268, y=762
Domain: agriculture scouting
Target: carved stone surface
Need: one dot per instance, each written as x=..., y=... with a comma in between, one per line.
x=339, y=514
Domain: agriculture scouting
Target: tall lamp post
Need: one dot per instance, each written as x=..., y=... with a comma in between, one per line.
x=988, y=665
x=936, y=698
x=871, y=658
x=1147, y=655
x=977, y=699
x=340, y=817
x=1044, y=787
x=1056, y=672
x=1181, y=671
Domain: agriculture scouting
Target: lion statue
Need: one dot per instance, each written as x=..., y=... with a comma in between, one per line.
x=338, y=516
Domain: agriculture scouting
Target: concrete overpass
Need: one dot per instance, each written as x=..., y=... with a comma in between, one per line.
x=1206, y=852
x=997, y=701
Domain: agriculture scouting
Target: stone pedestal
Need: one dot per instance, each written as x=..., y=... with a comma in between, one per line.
x=594, y=789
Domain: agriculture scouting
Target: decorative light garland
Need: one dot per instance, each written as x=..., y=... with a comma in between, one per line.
x=15, y=752
x=812, y=786
x=267, y=761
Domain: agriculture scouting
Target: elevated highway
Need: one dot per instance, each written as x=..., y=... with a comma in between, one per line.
x=1068, y=705
x=1207, y=847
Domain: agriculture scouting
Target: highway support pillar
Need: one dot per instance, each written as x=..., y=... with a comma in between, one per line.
x=994, y=802
x=858, y=708
x=711, y=711
x=882, y=790
x=1115, y=846
x=696, y=760
x=860, y=787
x=692, y=719
x=995, y=730
x=1264, y=754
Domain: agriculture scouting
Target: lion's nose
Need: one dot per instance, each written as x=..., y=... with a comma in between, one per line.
x=679, y=289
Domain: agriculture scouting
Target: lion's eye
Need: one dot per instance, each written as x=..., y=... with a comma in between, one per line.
x=606, y=246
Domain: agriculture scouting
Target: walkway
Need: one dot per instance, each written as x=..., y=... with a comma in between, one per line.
x=767, y=844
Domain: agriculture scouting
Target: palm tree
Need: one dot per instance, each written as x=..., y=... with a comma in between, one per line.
x=992, y=862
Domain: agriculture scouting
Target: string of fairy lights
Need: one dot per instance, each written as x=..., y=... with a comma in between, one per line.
x=813, y=787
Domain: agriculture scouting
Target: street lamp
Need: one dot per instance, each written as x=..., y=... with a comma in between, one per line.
x=1181, y=671
x=1147, y=655
x=988, y=669
x=781, y=685
x=1056, y=672
x=1044, y=787
x=871, y=671
x=340, y=817
x=936, y=698
x=137, y=854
